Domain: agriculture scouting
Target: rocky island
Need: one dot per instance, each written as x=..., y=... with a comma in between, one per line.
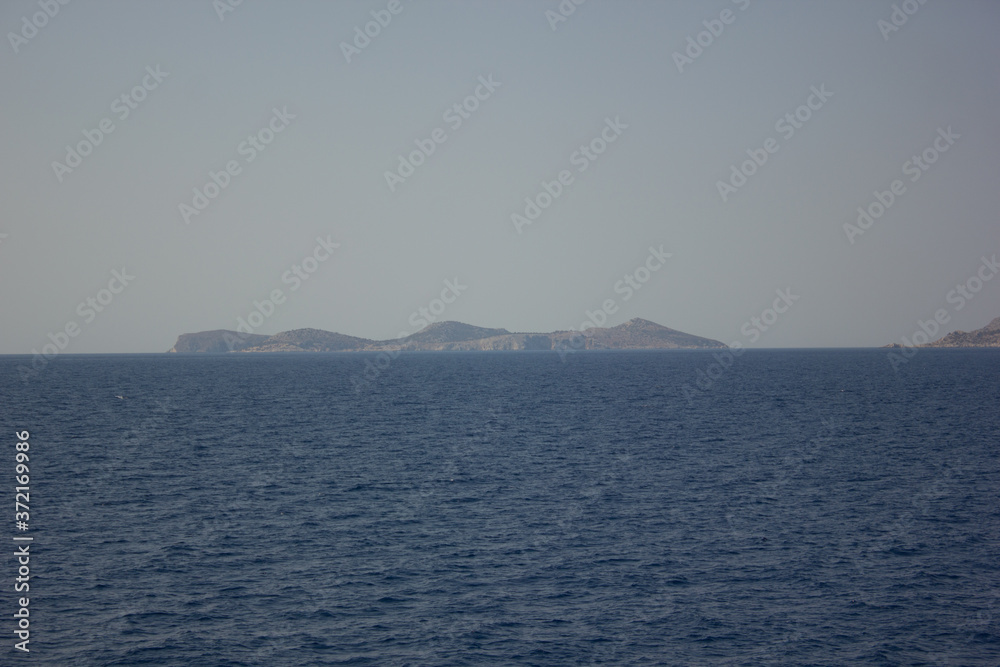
x=988, y=336
x=636, y=334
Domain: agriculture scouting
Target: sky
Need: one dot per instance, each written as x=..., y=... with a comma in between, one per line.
x=173, y=167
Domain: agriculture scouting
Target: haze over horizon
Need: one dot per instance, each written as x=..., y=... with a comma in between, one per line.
x=199, y=162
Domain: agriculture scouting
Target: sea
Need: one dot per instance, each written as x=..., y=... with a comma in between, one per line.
x=783, y=507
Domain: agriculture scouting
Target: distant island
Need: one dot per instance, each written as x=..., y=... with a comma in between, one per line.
x=636, y=334
x=988, y=336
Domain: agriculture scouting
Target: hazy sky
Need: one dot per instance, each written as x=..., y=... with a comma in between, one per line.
x=672, y=130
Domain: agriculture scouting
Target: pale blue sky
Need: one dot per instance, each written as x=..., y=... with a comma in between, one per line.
x=324, y=175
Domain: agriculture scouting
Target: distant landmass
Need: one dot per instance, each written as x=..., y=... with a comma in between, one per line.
x=988, y=336
x=636, y=334
x=215, y=342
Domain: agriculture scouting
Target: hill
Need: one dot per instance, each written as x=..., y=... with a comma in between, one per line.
x=450, y=332
x=309, y=340
x=638, y=333
x=988, y=336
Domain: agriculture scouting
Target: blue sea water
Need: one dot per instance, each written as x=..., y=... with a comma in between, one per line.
x=810, y=507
